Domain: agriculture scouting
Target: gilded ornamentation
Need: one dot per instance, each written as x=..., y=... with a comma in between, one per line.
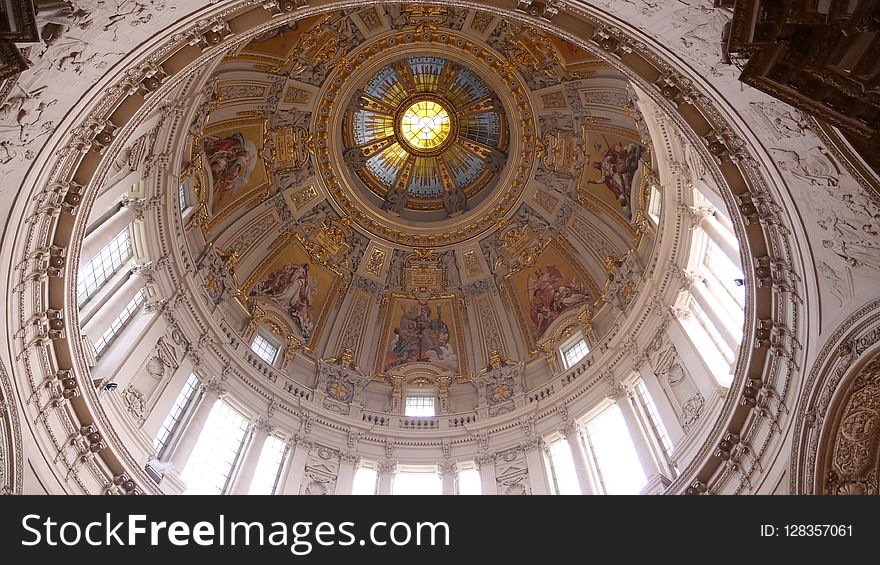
x=376, y=262
x=336, y=173
x=472, y=266
x=298, y=96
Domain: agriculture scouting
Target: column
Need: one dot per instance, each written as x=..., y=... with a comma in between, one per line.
x=212, y=393
x=348, y=462
x=623, y=397
x=387, y=469
x=297, y=468
x=105, y=233
x=486, y=465
x=537, y=475
x=572, y=435
x=261, y=430
x=448, y=474
x=112, y=308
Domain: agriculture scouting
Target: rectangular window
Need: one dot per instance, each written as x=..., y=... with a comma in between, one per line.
x=469, y=482
x=216, y=452
x=120, y=322
x=575, y=352
x=172, y=421
x=364, y=481
x=656, y=424
x=268, y=467
x=181, y=197
x=564, y=473
x=420, y=407
x=620, y=471
x=416, y=482
x=98, y=270
x=264, y=349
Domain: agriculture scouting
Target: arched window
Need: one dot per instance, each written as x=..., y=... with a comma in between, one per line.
x=716, y=298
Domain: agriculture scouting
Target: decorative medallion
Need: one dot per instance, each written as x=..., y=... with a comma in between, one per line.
x=416, y=134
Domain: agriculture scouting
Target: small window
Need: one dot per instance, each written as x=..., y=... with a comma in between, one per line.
x=120, y=322
x=575, y=352
x=181, y=197
x=419, y=407
x=654, y=204
x=264, y=348
x=172, y=421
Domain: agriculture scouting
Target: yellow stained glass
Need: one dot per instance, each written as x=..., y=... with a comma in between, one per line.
x=425, y=125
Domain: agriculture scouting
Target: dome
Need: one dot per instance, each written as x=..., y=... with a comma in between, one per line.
x=406, y=238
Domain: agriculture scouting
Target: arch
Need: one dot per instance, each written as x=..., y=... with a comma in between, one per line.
x=62, y=193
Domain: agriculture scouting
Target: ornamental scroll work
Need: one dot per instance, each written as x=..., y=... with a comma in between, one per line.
x=854, y=466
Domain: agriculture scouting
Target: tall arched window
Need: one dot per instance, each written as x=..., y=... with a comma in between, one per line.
x=716, y=299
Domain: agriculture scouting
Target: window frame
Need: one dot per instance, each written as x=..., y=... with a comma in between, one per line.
x=118, y=325
x=110, y=260
x=569, y=345
x=415, y=396
x=180, y=419
x=270, y=343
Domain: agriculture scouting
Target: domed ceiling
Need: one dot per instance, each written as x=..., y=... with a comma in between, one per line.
x=412, y=186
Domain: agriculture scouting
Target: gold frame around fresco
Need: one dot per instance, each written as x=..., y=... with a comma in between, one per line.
x=255, y=196
x=595, y=204
x=459, y=313
x=508, y=293
x=314, y=252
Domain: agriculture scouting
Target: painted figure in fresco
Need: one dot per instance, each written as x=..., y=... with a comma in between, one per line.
x=421, y=336
x=232, y=160
x=618, y=166
x=293, y=288
x=550, y=293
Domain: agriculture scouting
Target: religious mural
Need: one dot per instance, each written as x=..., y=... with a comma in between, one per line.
x=613, y=167
x=232, y=158
x=297, y=285
x=423, y=333
x=547, y=289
